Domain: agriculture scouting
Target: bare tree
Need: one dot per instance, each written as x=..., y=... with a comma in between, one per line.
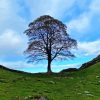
x=48, y=40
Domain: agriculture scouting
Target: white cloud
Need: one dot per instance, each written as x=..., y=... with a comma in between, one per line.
x=12, y=26
x=83, y=22
x=95, y=6
x=16, y=65
x=4, y=9
x=89, y=48
x=10, y=16
x=80, y=24
x=55, y=8
x=11, y=43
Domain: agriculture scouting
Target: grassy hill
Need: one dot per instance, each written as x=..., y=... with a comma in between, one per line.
x=79, y=85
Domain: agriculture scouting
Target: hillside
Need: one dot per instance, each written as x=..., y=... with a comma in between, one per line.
x=84, y=66
x=92, y=62
x=78, y=85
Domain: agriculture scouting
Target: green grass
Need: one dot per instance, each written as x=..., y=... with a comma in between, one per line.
x=80, y=85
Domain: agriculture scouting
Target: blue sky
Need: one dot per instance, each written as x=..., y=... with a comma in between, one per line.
x=81, y=17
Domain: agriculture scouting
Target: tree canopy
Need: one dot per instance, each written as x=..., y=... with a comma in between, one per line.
x=48, y=40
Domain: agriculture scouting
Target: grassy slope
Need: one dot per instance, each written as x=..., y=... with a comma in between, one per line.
x=81, y=85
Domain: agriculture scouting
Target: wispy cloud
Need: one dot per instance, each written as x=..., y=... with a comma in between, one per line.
x=11, y=43
x=95, y=6
x=10, y=16
x=89, y=48
x=83, y=22
x=21, y=64
x=55, y=8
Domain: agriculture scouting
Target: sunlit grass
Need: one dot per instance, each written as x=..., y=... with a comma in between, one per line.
x=80, y=85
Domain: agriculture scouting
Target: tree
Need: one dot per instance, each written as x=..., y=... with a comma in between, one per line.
x=48, y=39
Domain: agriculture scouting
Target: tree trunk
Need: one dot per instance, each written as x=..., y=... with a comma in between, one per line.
x=49, y=67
